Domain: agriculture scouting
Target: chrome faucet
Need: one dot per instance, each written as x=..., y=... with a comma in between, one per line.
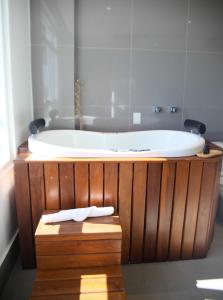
x=173, y=109
x=157, y=109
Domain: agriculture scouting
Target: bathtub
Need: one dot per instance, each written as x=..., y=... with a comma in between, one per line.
x=166, y=205
x=152, y=143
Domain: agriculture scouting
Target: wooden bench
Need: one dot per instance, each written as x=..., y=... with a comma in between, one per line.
x=79, y=260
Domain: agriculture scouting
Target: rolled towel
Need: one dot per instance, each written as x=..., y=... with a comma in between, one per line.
x=78, y=214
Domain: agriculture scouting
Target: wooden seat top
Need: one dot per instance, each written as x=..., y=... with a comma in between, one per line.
x=90, y=229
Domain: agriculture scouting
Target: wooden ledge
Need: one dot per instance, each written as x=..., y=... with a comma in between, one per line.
x=91, y=229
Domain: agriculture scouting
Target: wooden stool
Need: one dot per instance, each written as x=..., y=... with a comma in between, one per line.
x=79, y=260
x=80, y=283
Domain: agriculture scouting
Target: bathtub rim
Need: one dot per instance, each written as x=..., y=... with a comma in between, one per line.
x=174, y=152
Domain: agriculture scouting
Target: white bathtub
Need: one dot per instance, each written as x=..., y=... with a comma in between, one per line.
x=77, y=143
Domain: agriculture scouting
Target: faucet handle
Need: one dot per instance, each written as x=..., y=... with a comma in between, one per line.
x=173, y=109
x=157, y=109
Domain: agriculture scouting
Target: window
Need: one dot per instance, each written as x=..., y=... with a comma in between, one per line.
x=4, y=128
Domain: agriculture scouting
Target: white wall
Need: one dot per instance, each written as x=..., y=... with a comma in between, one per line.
x=20, y=114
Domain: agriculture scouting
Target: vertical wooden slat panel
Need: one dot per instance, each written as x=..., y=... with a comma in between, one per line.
x=166, y=200
x=125, y=206
x=81, y=185
x=96, y=184
x=138, y=211
x=206, y=198
x=111, y=184
x=37, y=192
x=66, y=185
x=52, y=186
x=215, y=201
x=179, y=206
x=193, y=197
x=24, y=215
x=152, y=210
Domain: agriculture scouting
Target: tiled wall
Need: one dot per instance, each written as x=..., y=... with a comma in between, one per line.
x=130, y=55
x=52, y=35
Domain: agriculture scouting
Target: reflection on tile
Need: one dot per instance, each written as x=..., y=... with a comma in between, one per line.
x=211, y=116
x=105, y=76
x=157, y=78
x=106, y=118
x=151, y=120
x=53, y=75
x=103, y=24
x=56, y=116
x=52, y=22
x=159, y=24
x=204, y=80
x=206, y=27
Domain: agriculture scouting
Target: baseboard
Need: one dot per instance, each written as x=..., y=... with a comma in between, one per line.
x=9, y=262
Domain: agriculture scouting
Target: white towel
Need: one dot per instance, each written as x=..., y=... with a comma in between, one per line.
x=78, y=214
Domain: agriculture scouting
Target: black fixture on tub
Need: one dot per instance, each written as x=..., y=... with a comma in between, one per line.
x=36, y=124
x=195, y=126
x=198, y=128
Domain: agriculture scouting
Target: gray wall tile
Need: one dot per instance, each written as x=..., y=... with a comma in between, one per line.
x=103, y=24
x=105, y=76
x=157, y=78
x=53, y=75
x=211, y=116
x=56, y=117
x=52, y=22
x=106, y=118
x=204, y=80
x=159, y=24
x=206, y=25
x=131, y=55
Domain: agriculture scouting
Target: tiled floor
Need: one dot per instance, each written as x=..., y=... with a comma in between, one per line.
x=156, y=281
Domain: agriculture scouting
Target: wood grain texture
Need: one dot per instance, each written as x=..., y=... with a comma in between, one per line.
x=138, y=211
x=78, y=261
x=66, y=173
x=204, y=211
x=77, y=286
x=29, y=157
x=77, y=273
x=101, y=228
x=166, y=202
x=214, y=203
x=88, y=296
x=152, y=210
x=81, y=185
x=24, y=216
x=78, y=247
x=179, y=205
x=115, y=188
x=193, y=197
x=37, y=192
x=96, y=184
x=111, y=184
x=52, y=185
x=97, y=283
x=125, y=206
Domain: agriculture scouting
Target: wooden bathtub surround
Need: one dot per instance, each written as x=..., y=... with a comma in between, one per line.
x=167, y=207
x=79, y=260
